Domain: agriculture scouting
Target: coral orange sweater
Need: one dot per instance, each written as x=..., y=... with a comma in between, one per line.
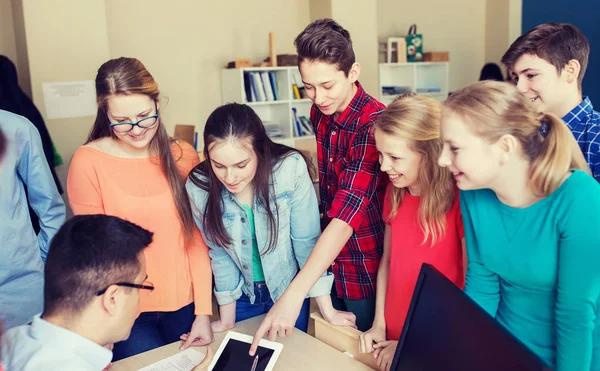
x=138, y=191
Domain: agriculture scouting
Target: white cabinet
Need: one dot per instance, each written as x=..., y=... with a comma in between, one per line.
x=425, y=78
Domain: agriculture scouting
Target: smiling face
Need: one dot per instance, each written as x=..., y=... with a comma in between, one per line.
x=328, y=87
x=399, y=161
x=473, y=161
x=548, y=89
x=132, y=108
x=234, y=163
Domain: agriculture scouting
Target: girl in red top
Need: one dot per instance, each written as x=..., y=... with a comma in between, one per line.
x=422, y=215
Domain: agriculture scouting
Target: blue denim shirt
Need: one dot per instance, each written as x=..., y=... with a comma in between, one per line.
x=22, y=252
x=299, y=229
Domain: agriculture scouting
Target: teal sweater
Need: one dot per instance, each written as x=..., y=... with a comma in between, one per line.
x=537, y=269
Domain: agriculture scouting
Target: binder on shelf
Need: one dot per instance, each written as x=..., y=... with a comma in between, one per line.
x=297, y=124
x=260, y=89
x=306, y=125
x=274, y=86
x=248, y=88
x=267, y=85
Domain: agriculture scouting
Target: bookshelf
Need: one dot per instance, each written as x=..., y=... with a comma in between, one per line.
x=274, y=113
x=425, y=78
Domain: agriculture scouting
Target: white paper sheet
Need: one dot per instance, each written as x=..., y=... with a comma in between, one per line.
x=182, y=361
x=69, y=99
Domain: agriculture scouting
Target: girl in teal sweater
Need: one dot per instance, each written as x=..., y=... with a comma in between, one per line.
x=532, y=222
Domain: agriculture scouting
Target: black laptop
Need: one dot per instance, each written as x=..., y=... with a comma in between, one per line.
x=446, y=330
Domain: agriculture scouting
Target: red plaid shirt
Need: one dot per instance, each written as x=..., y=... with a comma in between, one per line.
x=352, y=189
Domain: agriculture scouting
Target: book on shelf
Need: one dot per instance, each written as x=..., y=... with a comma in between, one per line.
x=261, y=86
x=307, y=128
x=297, y=85
x=428, y=90
x=273, y=130
x=297, y=126
x=274, y=84
x=266, y=80
x=302, y=125
x=395, y=90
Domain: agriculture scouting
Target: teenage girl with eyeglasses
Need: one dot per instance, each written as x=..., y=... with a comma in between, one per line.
x=130, y=168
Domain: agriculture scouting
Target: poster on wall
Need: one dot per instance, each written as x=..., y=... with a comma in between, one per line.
x=69, y=99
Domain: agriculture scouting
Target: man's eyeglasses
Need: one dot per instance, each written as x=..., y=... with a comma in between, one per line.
x=148, y=286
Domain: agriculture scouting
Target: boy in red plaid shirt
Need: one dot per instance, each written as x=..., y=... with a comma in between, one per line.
x=351, y=187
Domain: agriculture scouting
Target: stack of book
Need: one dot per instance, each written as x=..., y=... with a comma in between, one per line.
x=261, y=86
x=302, y=125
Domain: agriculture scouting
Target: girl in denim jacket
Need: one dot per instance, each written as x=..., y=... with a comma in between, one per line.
x=256, y=205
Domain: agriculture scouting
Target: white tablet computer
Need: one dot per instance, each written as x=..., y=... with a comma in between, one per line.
x=232, y=354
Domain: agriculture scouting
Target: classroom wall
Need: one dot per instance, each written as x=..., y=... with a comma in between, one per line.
x=496, y=29
x=22, y=61
x=364, y=32
x=7, y=31
x=63, y=47
x=456, y=26
x=185, y=44
x=502, y=27
x=582, y=14
x=12, y=39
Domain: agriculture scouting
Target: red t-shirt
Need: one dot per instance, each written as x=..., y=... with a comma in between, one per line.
x=407, y=255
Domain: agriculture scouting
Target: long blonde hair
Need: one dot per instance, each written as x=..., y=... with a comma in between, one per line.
x=417, y=119
x=495, y=109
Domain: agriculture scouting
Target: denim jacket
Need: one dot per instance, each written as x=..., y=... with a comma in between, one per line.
x=299, y=228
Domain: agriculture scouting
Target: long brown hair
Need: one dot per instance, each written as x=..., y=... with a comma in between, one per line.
x=494, y=109
x=417, y=119
x=239, y=122
x=127, y=76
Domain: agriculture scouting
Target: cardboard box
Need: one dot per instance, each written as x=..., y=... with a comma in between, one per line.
x=186, y=133
x=436, y=56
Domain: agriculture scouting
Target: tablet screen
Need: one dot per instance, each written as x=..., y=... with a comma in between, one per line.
x=235, y=357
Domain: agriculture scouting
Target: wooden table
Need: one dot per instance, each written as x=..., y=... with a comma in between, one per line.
x=300, y=352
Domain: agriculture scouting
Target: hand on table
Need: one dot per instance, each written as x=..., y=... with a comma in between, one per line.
x=374, y=334
x=279, y=321
x=200, y=333
x=384, y=354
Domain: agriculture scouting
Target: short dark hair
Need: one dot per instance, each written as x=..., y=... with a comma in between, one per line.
x=491, y=71
x=87, y=254
x=2, y=145
x=556, y=43
x=325, y=40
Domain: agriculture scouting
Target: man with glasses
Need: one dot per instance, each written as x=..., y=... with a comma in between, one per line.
x=95, y=274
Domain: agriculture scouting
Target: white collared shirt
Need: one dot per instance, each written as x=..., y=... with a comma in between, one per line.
x=44, y=346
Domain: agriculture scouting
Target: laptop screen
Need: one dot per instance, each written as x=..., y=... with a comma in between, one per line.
x=446, y=330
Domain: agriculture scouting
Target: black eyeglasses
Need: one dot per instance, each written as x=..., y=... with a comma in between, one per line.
x=145, y=123
x=149, y=287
